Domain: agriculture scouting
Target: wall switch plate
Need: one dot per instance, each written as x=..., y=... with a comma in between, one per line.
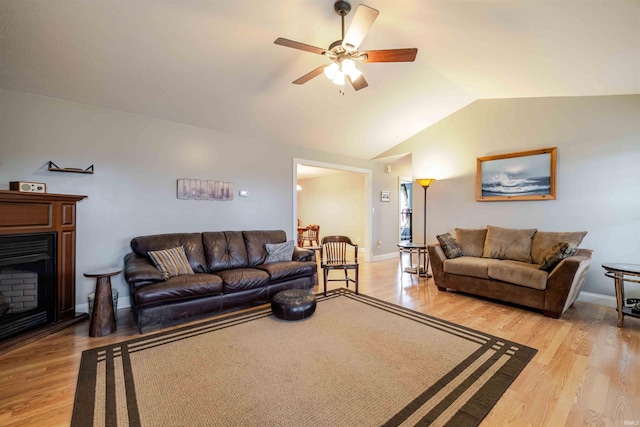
x=243, y=193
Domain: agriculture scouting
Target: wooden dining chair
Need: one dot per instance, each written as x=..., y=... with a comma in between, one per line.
x=312, y=234
x=334, y=255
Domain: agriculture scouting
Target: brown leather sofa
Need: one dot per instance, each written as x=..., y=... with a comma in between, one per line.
x=229, y=273
x=486, y=267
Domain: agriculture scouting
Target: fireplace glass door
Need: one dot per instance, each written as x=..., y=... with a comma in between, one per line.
x=27, y=283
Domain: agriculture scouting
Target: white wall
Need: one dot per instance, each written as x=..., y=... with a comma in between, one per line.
x=598, y=140
x=137, y=161
x=336, y=203
x=387, y=218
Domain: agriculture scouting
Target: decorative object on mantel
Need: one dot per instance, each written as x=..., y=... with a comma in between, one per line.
x=55, y=168
x=200, y=189
x=528, y=175
x=28, y=187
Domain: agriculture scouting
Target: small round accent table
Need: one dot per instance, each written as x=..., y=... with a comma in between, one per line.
x=293, y=304
x=621, y=273
x=411, y=248
x=102, y=319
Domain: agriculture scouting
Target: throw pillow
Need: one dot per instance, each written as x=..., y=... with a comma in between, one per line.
x=471, y=241
x=171, y=262
x=543, y=240
x=280, y=252
x=449, y=245
x=556, y=253
x=508, y=243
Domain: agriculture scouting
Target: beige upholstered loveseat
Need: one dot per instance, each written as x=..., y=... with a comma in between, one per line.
x=536, y=269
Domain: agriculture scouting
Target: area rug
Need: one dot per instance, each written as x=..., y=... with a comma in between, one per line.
x=358, y=361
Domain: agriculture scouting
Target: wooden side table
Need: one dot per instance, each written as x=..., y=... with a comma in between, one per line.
x=623, y=273
x=102, y=319
x=411, y=248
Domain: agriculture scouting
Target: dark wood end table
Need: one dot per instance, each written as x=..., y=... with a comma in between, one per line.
x=103, y=321
x=622, y=273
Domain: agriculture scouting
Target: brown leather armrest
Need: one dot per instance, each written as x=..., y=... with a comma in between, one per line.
x=302, y=254
x=140, y=269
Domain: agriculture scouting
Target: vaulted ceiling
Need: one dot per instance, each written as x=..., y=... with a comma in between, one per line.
x=213, y=63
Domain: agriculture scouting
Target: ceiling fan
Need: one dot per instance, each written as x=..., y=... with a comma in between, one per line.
x=344, y=53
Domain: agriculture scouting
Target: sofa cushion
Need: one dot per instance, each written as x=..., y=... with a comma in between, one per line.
x=178, y=288
x=242, y=279
x=224, y=250
x=468, y=266
x=256, y=241
x=279, y=252
x=191, y=242
x=471, y=241
x=508, y=243
x=280, y=271
x=519, y=273
x=171, y=262
x=556, y=253
x=543, y=240
x=449, y=245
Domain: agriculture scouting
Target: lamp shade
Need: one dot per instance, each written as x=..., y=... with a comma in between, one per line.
x=425, y=182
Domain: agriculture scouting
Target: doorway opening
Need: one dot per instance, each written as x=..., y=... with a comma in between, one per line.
x=406, y=210
x=341, y=202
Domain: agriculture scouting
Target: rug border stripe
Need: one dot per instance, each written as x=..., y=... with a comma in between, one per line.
x=494, y=387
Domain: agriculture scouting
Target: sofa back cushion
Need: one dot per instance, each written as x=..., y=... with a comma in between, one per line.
x=224, y=250
x=191, y=242
x=471, y=241
x=544, y=240
x=508, y=243
x=256, y=244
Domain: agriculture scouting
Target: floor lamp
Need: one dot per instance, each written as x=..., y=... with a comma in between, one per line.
x=425, y=183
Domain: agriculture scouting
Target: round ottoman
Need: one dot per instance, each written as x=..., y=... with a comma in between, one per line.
x=293, y=304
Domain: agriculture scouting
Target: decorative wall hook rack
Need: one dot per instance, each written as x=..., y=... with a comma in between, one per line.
x=55, y=168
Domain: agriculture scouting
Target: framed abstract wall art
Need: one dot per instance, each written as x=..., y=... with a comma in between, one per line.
x=527, y=175
x=200, y=189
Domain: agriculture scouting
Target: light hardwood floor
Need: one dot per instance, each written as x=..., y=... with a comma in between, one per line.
x=586, y=372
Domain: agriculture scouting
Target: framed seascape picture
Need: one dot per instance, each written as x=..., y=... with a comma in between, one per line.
x=527, y=175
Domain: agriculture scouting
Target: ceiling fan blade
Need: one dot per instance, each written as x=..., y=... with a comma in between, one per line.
x=301, y=46
x=309, y=75
x=391, y=55
x=362, y=21
x=359, y=83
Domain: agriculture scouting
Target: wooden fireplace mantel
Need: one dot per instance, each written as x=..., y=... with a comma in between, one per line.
x=29, y=213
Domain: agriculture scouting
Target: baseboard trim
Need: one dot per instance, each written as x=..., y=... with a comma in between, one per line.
x=597, y=299
x=123, y=302
x=383, y=257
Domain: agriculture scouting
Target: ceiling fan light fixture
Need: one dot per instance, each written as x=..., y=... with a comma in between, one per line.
x=339, y=78
x=349, y=68
x=331, y=70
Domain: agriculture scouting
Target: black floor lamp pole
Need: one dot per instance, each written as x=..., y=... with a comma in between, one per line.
x=425, y=183
x=424, y=228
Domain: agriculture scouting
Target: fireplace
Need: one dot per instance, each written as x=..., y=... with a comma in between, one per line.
x=37, y=266
x=27, y=283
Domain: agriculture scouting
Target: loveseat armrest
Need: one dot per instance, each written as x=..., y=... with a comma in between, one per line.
x=437, y=258
x=566, y=281
x=139, y=270
x=302, y=254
